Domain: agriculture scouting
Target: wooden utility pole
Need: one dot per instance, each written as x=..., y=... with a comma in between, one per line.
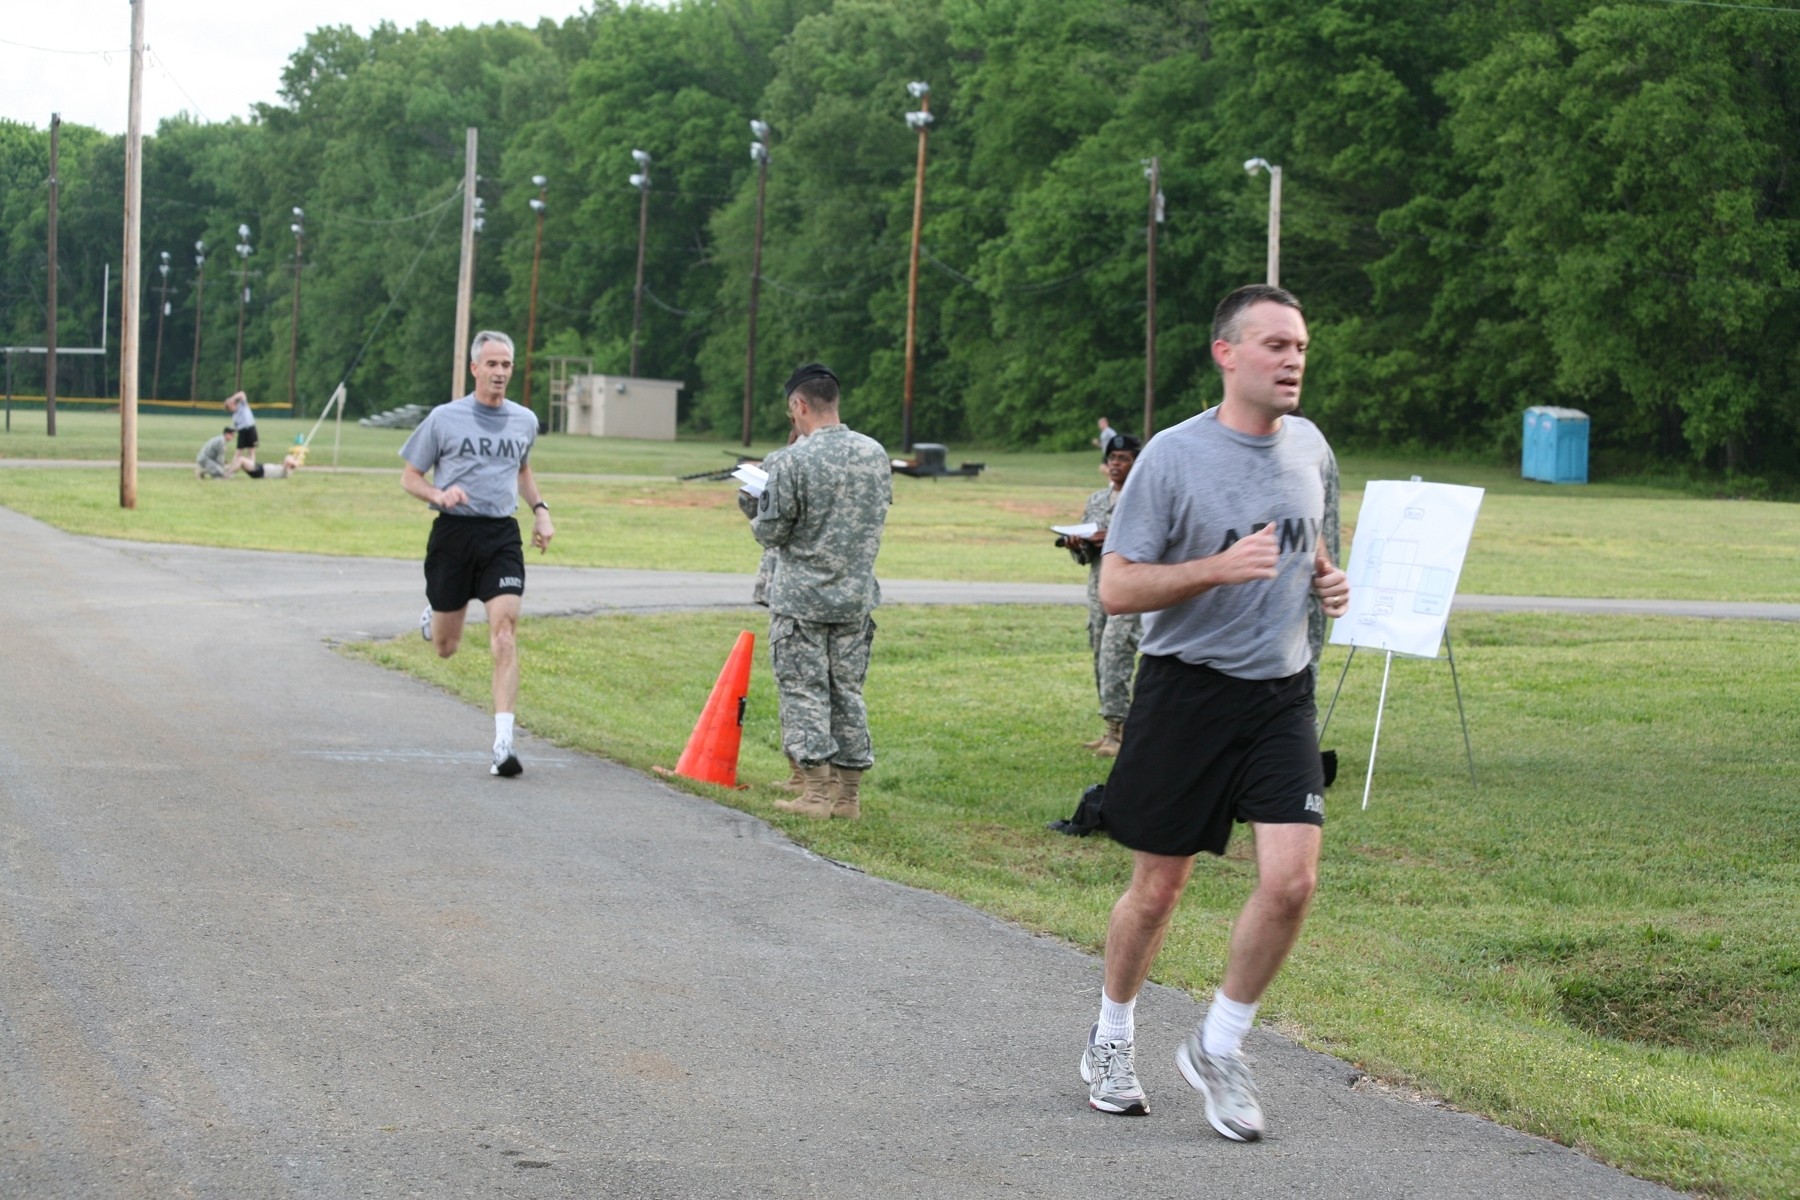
x=539, y=206
x=162, y=311
x=465, y=275
x=129, y=286
x=50, y=302
x=642, y=182
x=1154, y=171
x=298, y=227
x=760, y=151
x=199, y=318
x=920, y=120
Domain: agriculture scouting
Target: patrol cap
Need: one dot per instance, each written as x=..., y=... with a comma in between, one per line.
x=1119, y=441
x=806, y=374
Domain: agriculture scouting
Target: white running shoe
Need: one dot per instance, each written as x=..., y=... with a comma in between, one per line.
x=425, y=623
x=1107, y=1069
x=1232, y=1105
x=506, y=763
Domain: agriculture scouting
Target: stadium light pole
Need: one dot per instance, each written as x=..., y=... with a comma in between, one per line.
x=161, y=312
x=759, y=154
x=299, y=229
x=1152, y=172
x=540, y=204
x=199, y=288
x=243, y=275
x=1256, y=166
x=920, y=121
x=640, y=181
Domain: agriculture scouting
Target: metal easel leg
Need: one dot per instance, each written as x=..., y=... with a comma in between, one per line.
x=1380, y=707
x=1467, y=748
x=1332, y=707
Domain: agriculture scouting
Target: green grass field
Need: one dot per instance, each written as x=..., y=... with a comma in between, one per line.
x=619, y=504
x=1596, y=944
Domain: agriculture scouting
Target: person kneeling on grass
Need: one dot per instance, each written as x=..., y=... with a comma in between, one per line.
x=216, y=460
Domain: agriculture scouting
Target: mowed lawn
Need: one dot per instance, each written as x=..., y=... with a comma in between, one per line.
x=620, y=504
x=1595, y=944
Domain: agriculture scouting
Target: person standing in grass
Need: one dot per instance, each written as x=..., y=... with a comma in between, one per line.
x=477, y=452
x=243, y=423
x=1218, y=539
x=822, y=511
x=1113, y=640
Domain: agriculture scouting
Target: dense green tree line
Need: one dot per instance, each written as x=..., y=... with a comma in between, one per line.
x=1486, y=205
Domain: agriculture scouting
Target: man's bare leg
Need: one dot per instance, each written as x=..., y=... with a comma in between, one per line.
x=503, y=629
x=447, y=630
x=1287, y=874
x=1140, y=920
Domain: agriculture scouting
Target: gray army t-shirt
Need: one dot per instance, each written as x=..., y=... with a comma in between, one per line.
x=467, y=443
x=1195, y=490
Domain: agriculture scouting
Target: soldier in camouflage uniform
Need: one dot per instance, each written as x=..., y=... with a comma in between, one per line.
x=1331, y=534
x=1113, y=640
x=759, y=591
x=822, y=512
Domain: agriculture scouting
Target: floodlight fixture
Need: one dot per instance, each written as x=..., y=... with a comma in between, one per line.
x=918, y=89
x=759, y=153
x=1257, y=166
x=641, y=182
x=759, y=130
x=918, y=121
x=641, y=158
x=538, y=181
x=537, y=206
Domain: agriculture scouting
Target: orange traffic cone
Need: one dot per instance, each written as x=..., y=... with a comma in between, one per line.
x=712, y=749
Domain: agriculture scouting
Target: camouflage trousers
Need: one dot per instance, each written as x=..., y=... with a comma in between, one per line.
x=819, y=672
x=1114, y=641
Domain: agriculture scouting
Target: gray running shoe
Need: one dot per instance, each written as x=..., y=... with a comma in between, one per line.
x=1112, y=1081
x=1232, y=1105
x=425, y=623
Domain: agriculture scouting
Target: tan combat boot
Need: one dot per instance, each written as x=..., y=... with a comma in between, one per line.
x=815, y=798
x=795, y=782
x=1109, y=745
x=846, y=804
x=1095, y=744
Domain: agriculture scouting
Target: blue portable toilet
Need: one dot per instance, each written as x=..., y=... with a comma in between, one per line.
x=1556, y=445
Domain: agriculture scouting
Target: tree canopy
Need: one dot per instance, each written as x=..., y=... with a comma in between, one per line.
x=1486, y=205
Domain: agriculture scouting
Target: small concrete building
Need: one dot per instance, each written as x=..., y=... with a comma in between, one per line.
x=619, y=406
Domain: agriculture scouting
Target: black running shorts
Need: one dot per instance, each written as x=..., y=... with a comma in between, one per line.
x=246, y=438
x=473, y=558
x=1203, y=749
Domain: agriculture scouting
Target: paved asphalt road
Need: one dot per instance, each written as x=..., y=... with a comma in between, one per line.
x=269, y=929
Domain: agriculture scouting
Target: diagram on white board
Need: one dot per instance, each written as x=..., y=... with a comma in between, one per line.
x=1411, y=539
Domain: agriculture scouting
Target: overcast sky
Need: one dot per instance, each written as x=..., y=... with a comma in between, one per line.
x=214, y=58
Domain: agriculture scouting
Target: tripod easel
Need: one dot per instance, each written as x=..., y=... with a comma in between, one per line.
x=1381, y=706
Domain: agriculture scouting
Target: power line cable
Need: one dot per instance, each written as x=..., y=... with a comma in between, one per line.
x=344, y=375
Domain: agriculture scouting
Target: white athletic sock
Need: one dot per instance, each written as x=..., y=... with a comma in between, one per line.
x=1227, y=1021
x=1117, y=1021
x=503, y=726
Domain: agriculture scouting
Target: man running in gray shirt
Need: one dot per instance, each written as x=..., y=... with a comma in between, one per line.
x=1217, y=537
x=476, y=450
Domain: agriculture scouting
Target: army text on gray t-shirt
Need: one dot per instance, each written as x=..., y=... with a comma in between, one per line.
x=1195, y=490
x=467, y=443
